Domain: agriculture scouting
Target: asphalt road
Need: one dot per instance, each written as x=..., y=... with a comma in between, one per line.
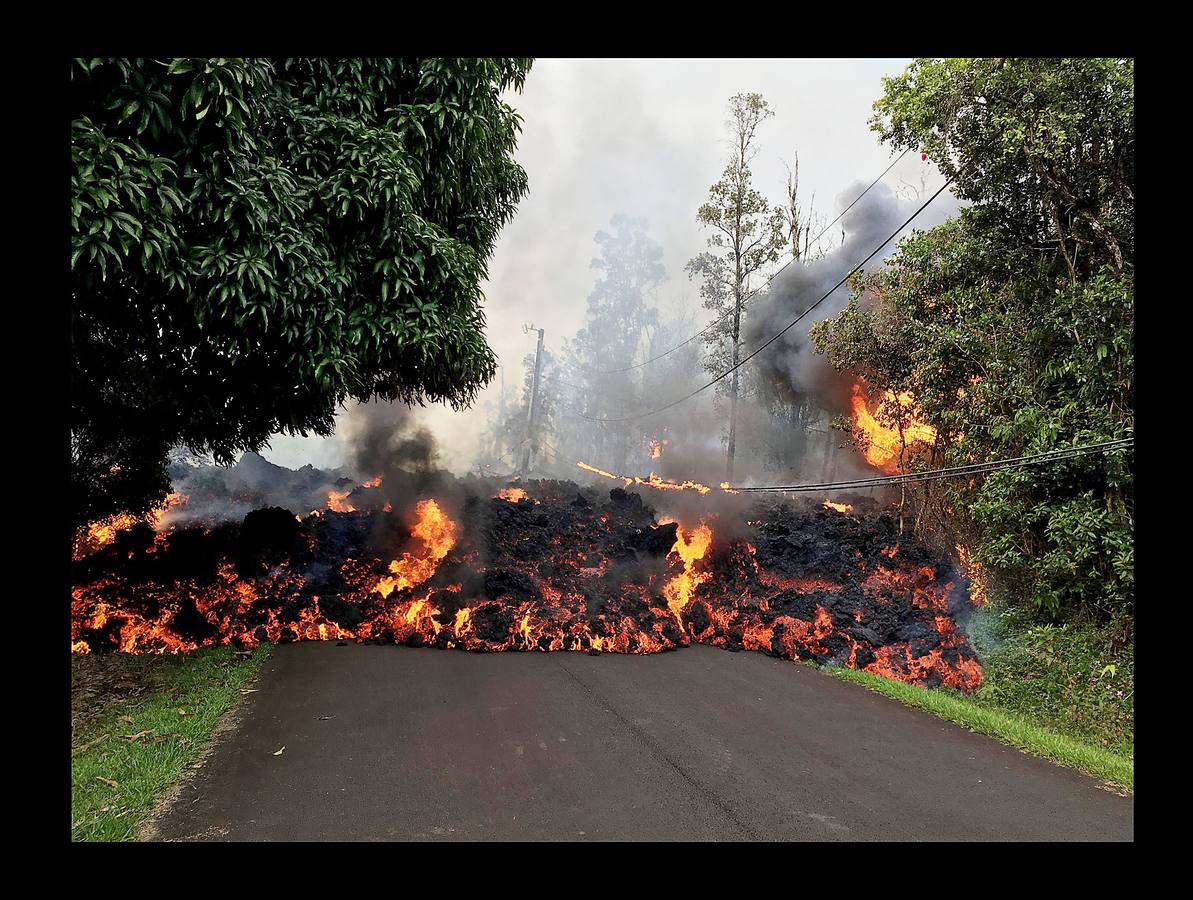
x=697, y=744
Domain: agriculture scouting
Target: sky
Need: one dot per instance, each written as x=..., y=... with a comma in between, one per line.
x=645, y=137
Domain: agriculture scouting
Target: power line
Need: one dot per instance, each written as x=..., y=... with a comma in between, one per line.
x=1062, y=453
x=754, y=292
x=789, y=326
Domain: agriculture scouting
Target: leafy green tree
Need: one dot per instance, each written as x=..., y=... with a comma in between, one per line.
x=1012, y=324
x=255, y=241
x=747, y=235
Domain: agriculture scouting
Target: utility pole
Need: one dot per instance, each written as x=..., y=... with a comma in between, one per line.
x=531, y=435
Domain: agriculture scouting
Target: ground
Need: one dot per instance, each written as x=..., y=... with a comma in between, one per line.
x=384, y=742
x=137, y=723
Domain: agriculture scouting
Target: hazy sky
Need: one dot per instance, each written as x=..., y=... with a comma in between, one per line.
x=646, y=137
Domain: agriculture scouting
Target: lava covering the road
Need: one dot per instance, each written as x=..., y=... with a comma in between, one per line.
x=543, y=565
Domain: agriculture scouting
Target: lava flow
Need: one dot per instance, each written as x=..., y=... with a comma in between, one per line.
x=550, y=568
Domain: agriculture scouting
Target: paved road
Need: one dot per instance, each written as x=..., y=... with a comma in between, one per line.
x=698, y=744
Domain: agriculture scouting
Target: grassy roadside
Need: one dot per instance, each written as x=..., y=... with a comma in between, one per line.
x=1062, y=692
x=137, y=722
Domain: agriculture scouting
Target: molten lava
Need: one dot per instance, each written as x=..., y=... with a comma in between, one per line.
x=570, y=573
x=884, y=443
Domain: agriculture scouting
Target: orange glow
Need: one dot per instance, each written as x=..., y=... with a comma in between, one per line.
x=438, y=534
x=373, y=482
x=977, y=578
x=839, y=507
x=884, y=443
x=512, y=494
x=689, y=549
x=337, y=501
x=651, y=480
x=655, y=448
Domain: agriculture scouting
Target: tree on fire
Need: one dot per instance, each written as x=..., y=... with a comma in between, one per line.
x=255, y=241
x=1012, y=324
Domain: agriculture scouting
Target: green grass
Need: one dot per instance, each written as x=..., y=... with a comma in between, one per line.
x=1064, y=692
x=137, y=723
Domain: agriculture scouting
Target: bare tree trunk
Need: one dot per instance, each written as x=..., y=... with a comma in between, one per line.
x=734, y=384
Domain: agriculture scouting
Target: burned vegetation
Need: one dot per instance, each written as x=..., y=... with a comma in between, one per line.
x=542, y=565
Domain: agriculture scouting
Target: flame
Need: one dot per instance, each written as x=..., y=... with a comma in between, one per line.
x=977, y=578
x=882, y=443
x=373, y=482
x=651, y=480
x=512, y=494
x=839, y=507
x=689, y=549
x=655, y=448
x=337, y=501
x=438, y=534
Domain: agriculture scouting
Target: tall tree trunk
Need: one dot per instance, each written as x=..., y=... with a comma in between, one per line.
x=734, y=383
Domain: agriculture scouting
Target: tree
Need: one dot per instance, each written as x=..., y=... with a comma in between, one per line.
x=748, y=234
x=618, y=322
x=255, y=241
x=1012, y=325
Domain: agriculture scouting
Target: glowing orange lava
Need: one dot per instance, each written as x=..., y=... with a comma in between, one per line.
x=512, y=494
x=839, y=507
x=338, y=501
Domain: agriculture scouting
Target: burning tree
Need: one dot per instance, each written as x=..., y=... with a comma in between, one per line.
x=1011, y=326
x=256, y=240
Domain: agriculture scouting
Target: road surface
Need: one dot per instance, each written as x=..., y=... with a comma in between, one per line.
x=396, y=743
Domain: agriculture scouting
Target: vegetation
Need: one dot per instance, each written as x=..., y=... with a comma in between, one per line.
x=137, y=723
x=747, y=235
x=255, y=241
x=1011, y=325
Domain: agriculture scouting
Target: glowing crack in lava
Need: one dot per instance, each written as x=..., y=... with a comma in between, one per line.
x=513, y=494
x=883, y=443
x=567, y=573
